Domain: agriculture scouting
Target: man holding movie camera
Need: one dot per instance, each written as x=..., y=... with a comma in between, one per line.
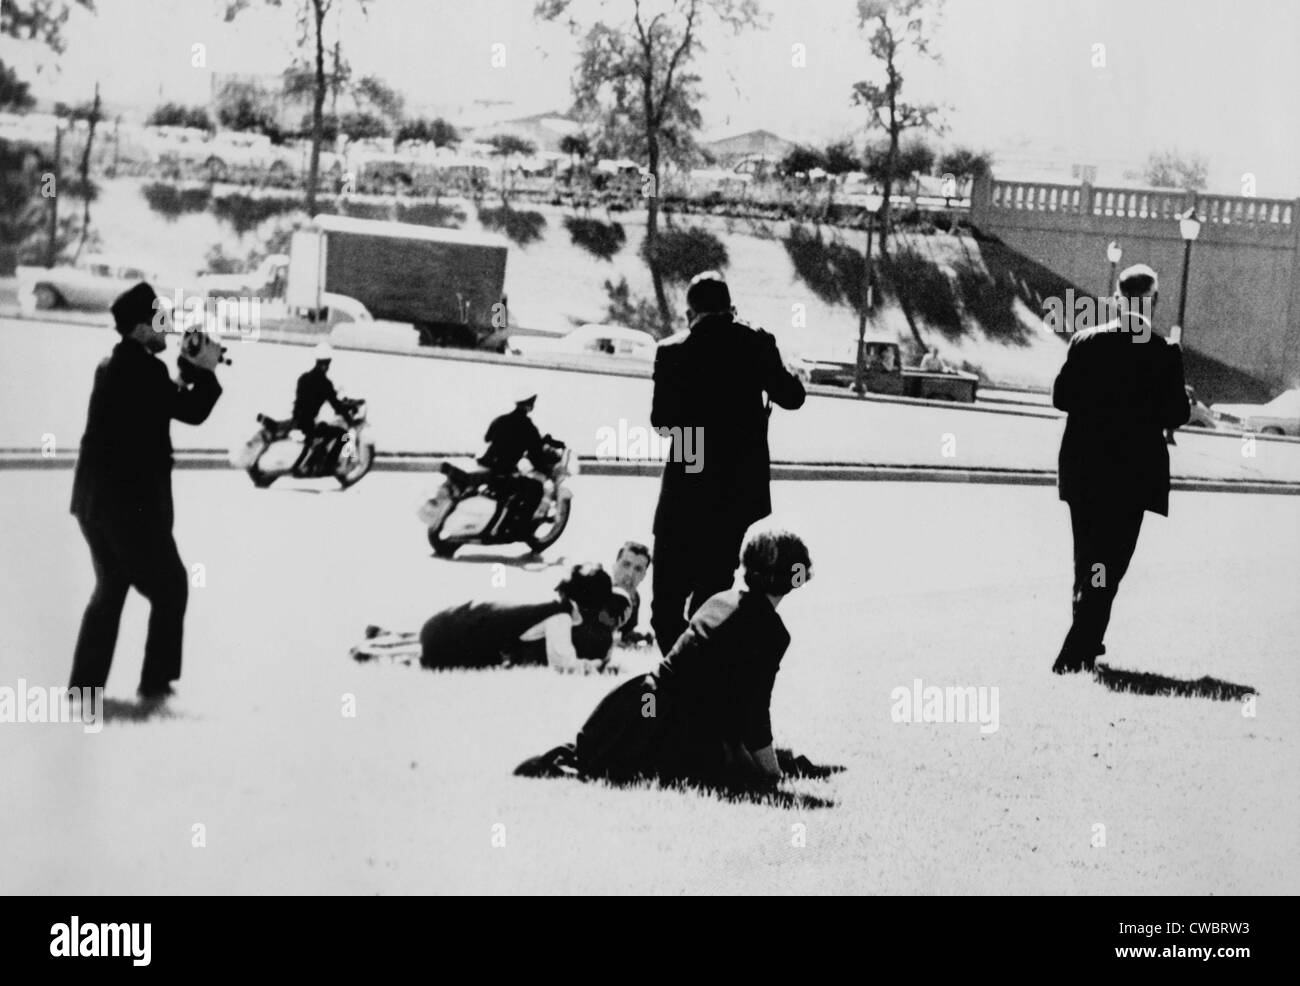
x=122, y=493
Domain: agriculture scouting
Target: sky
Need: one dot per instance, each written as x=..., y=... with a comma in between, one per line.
x=1088, y=80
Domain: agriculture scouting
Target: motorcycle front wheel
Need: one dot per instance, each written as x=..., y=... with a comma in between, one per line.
x=260, y=479
x=548, y=532
x=353, y=466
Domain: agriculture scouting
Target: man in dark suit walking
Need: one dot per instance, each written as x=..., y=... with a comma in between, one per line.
x=1121, y=387
x=710, y=384
x=122, y=492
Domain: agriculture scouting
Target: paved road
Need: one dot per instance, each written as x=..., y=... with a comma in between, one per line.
x=444, y=406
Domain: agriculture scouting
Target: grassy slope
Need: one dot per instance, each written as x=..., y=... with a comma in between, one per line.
x=979, y=309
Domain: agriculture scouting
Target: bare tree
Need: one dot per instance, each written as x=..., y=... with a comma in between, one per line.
x=896, y=26
x=311, y=28
x=635, y=72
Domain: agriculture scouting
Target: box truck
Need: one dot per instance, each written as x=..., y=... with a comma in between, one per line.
x=448, y=283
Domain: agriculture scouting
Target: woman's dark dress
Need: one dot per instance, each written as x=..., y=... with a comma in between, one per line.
x=713, y=688
x=483, y=634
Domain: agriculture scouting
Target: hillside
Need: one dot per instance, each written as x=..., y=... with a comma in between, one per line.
x=975, y=300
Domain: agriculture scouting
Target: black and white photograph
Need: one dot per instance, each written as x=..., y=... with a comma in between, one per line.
x=651, y=448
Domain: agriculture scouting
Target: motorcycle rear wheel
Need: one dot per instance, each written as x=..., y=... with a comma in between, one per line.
x=540, y=542
x=441, y=548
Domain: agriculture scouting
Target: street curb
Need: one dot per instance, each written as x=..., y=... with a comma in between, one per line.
x=31, y=459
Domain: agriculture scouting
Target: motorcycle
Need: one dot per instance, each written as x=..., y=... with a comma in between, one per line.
x=468, y=508
x=278, y=449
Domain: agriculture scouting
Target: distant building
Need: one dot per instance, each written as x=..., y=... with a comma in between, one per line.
x=730, y=150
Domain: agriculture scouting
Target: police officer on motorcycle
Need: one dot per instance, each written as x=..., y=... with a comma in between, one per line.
x=510, y=437
x=314, y=390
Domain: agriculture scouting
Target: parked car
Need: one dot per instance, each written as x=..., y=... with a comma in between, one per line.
x=232, y=152
x=884, y=373
x=176, y=148
x=92, y=284
x=1201, y=416
x=588, y=340
x=267, y=281
x=1280, y=416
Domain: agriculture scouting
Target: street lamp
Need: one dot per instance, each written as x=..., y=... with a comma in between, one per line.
x=1189, y=228
x=1114, y=254
x=874, y=202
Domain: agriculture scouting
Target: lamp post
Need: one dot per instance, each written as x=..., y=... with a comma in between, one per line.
x=1189, y=228
x=874, y=202
x=1114, y=254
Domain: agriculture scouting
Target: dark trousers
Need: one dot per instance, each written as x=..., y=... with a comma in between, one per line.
x=320, y=448
x=147, y=560
x=1104, y=538
x=526, y=492
x=691, y=563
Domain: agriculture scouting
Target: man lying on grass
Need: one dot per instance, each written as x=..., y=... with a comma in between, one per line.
x=484, y=633
x=703, y=716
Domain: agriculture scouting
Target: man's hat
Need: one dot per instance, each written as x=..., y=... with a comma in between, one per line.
x=708, y=292
x=323, y=352
x=133, y=306
x=1138, y=281
x=525, y=396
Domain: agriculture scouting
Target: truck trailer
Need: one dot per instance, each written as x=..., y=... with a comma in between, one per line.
x=449, y=284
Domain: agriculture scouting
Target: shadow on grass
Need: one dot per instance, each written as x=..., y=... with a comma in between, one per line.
x=1144, y=683
x=521, y=226
x=830, y=269
x=172, y=202
x=120, y=710
x=600, y=239
x=245, y=213
x=557, y=763
x=431, y=214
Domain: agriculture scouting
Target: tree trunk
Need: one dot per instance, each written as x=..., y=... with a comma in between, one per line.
x=651, y=238
x=85, y=174
x=317, y=108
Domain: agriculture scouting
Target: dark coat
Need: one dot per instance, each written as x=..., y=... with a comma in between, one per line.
x=1119, y=395
x=510, y=437
x=314, y=391
x=712, y=379
x=123, y=472
x=714, y=689
x=478, y=634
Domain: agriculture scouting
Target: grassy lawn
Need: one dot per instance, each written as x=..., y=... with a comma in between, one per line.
x=964, y=586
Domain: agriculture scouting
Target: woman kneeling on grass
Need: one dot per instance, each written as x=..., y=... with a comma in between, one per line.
x=481, y=634
x=704, y=715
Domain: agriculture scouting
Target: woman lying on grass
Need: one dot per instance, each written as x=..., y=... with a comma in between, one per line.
x=703, y=716
x=481, y=634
